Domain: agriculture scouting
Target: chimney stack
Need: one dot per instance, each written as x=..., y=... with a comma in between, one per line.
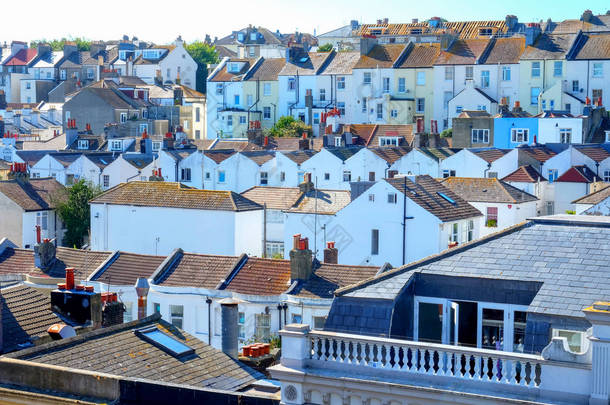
x=229, y=321
x=331, y=253
x=307, y=185
x=79, y=303
x=300, y=259
x=44, y=254
x=142, y=289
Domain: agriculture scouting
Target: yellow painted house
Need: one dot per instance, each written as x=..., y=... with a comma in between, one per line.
x=542, y=68
x=260, y=87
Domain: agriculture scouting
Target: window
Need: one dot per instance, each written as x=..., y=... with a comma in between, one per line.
x=448, y=173
x=374, y=241
x=558, y=68
x=469, y=73
x=607, y=176
x=275, y=248
x=485, y=78
x=128, y=314
x=62, y=74
x=363, y=104
x=371, y=197
x=264, y=178
x=347, y=175
x=322, y=94
x=326, y=176
x=266, y=89
x=236, y=99
x=262, y=329
x=221, y=176
x=448, y=72
x=266, y=113
x=535, y=69
x=576, y=339
x=506, y=73
x=379, y=111
x=447, y=96
x=90, y=73
x=249, y=100
x=83, y=144
x=543, y=105
x=28, y=85
x=454, y=234
x=144, y=127
x=481, y=107
x=371, y=176
x=519, y=135
x=156, y=308
x=116, y=145
x=197, y=134
x=392, y=198
x=241, y=322
x=386, y=84
x=394, y=113
x=230, y=121
x=341, y=82
x=123, y=118
x=282, y=176
x=185, y=174
x=568, y=107
x=316, y=118
x=388, y=141
x=297, y=318
x=168, y=73
x=292, y=83
x=470, y=230
x=219, y=88
x=598, y=69
x=480, y=136
x=207, y=175
x=318, y=322
x=156, y=146
x=176, y=313
x=597, y=93
x=492, y=175
x=565, y=135
x=552, y=175
x=420, y=106
x=252, y=51
x=421, y=78
x=491, y=219
x=534, y=93
x=366, y=78
x=242, y=119
x=338, y=141
x=458, y=109
x=341, y=107
x=42, y=220
x=575, y=86
x=106, y=181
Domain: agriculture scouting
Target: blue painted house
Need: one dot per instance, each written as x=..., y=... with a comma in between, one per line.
x=514, y=128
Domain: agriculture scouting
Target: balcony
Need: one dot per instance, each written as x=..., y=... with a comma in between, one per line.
x=319, y=365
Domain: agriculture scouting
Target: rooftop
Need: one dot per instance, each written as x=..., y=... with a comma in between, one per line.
x=595, y=197
x=34, y=194
x=524, y=174
x=276, y=198
x=126, y=267
x=196, y=270
x=380, y=56
x=488, y=190
x=174, y=195
x=324, y=202
x=579, y=174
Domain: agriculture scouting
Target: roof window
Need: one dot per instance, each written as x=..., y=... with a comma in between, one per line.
x=446, y=197
x=164, y=342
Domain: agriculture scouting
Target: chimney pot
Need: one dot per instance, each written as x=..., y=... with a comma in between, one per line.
x=142, y=287
x=331, y=254
x=70, y=278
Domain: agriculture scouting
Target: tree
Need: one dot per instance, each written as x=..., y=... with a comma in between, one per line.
x=325, y=48
x=287, y=126
x=72, y=206
x=447, y=133
x=204, y=54
x=82, y=44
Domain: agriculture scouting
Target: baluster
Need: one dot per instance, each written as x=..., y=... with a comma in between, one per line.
x=348, y=352
x=539, y=383
x=507, y=371
x=517, y=378
x=528, y=374
x=385, y=356
x=477, y=368
x=332, y=349
x=315, y=352
x=441, y=362
x=450, y=364
x=497, y=369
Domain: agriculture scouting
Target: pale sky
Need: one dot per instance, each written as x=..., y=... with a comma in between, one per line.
x=162, y=21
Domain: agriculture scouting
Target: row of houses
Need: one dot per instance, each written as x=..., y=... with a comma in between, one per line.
x=398, y=83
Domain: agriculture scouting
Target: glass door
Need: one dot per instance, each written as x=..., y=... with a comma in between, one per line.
x=492, y=329
x=454, y=327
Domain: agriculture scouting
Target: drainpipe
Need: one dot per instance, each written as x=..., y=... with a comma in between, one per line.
x=279, y=316
x=404, y=223
x=264, y=230
x=208, y=301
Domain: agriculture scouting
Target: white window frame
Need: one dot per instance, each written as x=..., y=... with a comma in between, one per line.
x=123, y=118
x=402, y=85
x=83, y=144
x=386, y=84
x=266, y=89
x=565, y=135
x=506, y=73
x=116, y=145
x=420, y=109
x=480, y=135
x=598, y=69
x=535, y=71
x=366, y=78
x=388, y=141
x=347, y=175
x=341, y=83
x=42, y=220
x=379, y=111
x=421, y=78
x=557, y=68
x=264, y=178
x=266, y=113
x=584, y=342
x=292, y=84
x=519, y=135
x=485, y=79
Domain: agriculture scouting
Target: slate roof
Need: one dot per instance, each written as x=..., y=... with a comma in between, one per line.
x=276, y=198
x=342, y=63
x=595, y=47
x=126, y=267
x=196, y=270
x=489, y=190
x=490, y=154
x=549, y=46
x=219, y=156
x=524, y=174
x=329, y=277
x=391, y=153
x=95, y=141
x=259, y=157
x=119, y=351
x=21, y=261
x=138, y=160
x=26, y=316
x=223, y=75
x=31, y=157
x=224, y=52
x=267, y=70
x=403, y=132
x=315, y=63
x=382, y=56
x=505, y=51
x=594, y=198
x=174, y=195
x=425, y=192
x=329, y=202
x=344, y=153
x=261, y=277
x=579, y=174
x=33, y=195
x=540, y=153
x=463, y=52
x=568, y=254
x=109, y=97
x=421, y=55
x=438, y=154
x=300, y=156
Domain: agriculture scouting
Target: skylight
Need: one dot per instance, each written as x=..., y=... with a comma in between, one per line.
x=303, y=60
x=446, y=197
x=164, y=342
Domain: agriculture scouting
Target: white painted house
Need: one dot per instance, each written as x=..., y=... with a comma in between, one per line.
x=329, y=169
x=480, y=162
x=172, y=64
x=125, y=168
x=596, y=203
x=556, y=127
x=502, y=204
x=156, y=217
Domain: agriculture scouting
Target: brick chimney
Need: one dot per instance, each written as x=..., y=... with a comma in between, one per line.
x=300, y=259
x=79, y=303
x=112, y=309
x=307, y=185
x=331, y=253
x=142, y=287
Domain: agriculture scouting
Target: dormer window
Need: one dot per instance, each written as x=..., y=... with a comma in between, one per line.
x=240, y=37
x=416, y=31
x=116, y=145
x=253, y=36
x=233, y=67
x=485, y=31
x=83, y=144
x=388, y=141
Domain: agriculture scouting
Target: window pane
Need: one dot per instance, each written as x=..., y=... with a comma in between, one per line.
x=430, y=324
x=519, y=331
x=493, y=329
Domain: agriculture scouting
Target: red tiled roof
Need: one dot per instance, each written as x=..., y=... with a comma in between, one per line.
x=597, y=153
x=195, y=270
x=262, y=277
x=22, y=58
x=490, y=155
x=578, y=174
x=524, y=174
x=127, y=267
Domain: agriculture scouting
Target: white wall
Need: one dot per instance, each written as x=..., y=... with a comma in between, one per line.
x=325, y=162
x=54, y=228
x=565, y=193
x=417, y=163
x=48, y=166
x=548, y=129
x=508, y=215
x=363, y=162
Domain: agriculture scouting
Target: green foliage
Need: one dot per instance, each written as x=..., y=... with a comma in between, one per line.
x=288, y=126
x=277, y=256
x=325, y=48
x=570, y=212
x=275, y=342
x=203, y=54
x=58, y=44
x=447, y=133
x=74, y=211
x=491, y=223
